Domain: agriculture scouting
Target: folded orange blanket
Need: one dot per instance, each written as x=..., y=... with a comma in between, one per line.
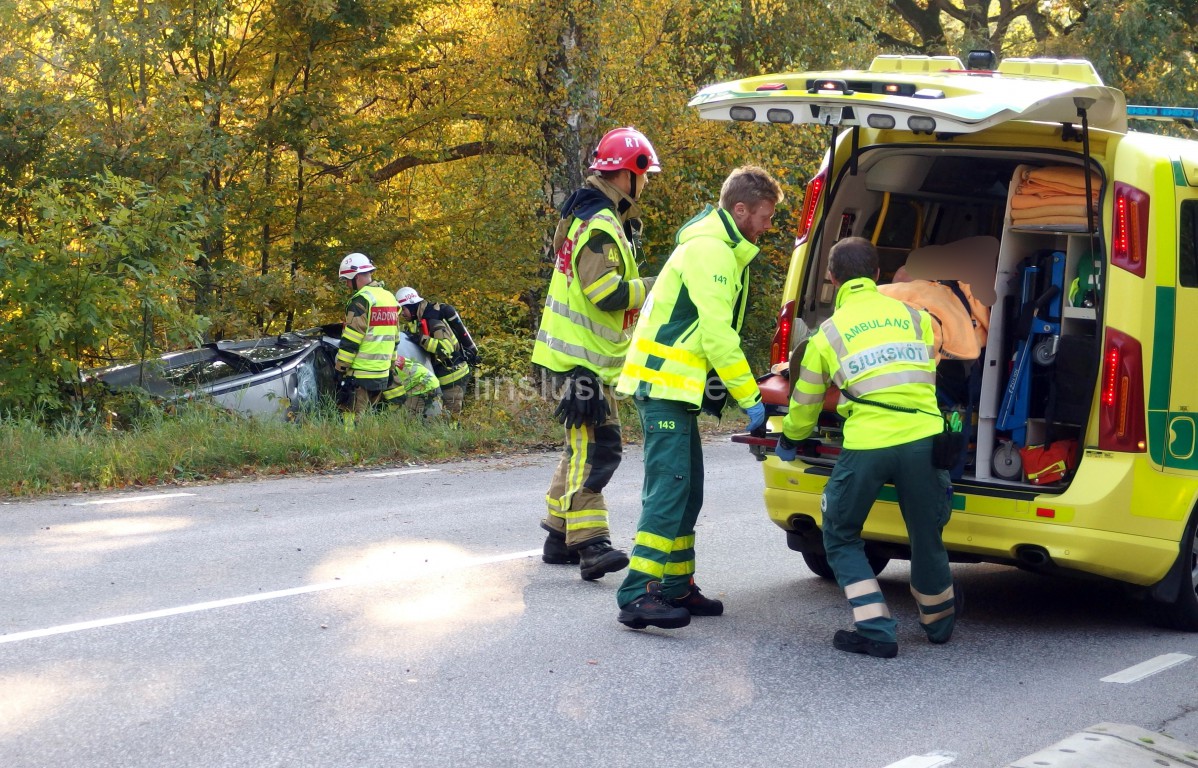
x=1071, y=220
x=1063, y=174
x=1021, y=200
x=1019, y=214
x=1031, y=187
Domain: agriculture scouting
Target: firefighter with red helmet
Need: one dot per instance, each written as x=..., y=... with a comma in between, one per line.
x=368, y=337
x=592, y=302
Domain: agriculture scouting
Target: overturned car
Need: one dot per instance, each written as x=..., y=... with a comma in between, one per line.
x=275, y=377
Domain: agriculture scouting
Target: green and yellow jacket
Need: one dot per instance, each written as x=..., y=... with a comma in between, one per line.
x=691, y=322
x=876, y=348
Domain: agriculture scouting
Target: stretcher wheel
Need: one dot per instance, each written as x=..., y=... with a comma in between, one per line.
x=1044, y=353
x=1006, y=462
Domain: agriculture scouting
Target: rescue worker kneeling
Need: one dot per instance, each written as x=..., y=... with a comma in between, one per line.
x=413, y=387
x=878, y=349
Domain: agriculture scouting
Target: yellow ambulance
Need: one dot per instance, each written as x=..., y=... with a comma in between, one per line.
x=1072, y=243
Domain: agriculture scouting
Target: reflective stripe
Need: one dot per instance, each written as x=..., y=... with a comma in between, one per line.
x=645, y=565
x=684, y=542
x=636, y=293
x=602, y=361
x=680, y=569
x=554, y=504
x=672, y=380
x=653, y=541
x=871, y=611
x=573, y=526
x=578, y=461
x=835, y=340
x=586, y=515
x=918, y=326
x=930, y=600
x=807, y=398
x=582, y=321
x=811, y=377
x=740, y=368
x=676, y=354
x=888, y=380
x=934, y=617
x=373, y=356
x=862, y=588
x=602, y=287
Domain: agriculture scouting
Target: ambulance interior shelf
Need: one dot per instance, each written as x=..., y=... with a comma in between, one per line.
x=1024, y=375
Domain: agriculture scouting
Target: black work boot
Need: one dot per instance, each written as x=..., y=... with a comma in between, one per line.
x=598, y=558
x=851, y=642
x=696, y=604
x=555, y=550
x=652, y=609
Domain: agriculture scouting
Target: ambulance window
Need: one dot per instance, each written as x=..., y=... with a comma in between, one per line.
x=1187, y=255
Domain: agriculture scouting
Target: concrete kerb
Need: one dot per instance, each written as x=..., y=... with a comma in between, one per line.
x=1113, y=745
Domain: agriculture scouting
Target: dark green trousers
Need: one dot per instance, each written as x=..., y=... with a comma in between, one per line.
x=925, y=498
x=671, y=498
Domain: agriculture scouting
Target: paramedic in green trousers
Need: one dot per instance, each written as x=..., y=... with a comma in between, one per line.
x=688, y=336
x=877, y=348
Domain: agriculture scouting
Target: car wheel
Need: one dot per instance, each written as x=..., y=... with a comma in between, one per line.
x=818, y=563
x=1182, y=613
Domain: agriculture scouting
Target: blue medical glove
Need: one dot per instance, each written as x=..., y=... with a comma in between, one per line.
x=786, y=450
x=756, y=414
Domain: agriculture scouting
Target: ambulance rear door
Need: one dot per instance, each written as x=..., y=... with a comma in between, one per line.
x=1181, y=449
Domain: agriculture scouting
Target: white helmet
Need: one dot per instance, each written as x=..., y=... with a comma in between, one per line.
x=353, y=265
x=405, y=296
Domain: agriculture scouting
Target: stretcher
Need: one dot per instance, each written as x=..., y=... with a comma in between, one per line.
x=1042, y=282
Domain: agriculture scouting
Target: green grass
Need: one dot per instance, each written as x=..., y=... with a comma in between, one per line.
x=199, y=441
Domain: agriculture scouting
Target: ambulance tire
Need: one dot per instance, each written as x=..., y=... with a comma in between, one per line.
x=1182, y=613
x=818, y=563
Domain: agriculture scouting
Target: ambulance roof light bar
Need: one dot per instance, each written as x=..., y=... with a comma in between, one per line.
x=1186, y=115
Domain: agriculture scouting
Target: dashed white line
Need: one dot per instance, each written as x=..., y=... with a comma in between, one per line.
x=1150, y=667
x=130, y=498
x=63, y=629
x=397, y=472
x=930, y=760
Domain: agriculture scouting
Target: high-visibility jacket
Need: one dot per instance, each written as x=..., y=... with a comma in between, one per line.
x=876, y=348
x=370, y=333
x=691, y=322
x=594, y=294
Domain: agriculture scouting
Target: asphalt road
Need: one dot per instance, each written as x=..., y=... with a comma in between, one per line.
x=403, y=617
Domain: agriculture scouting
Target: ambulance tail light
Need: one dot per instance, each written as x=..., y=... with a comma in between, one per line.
x=811, y=198
x=780, y=346
x=1129, y=246
x=1121, y=407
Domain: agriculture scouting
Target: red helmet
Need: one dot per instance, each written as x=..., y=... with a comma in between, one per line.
x=625, y=149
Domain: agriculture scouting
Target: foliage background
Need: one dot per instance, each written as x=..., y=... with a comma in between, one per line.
x=180, y=171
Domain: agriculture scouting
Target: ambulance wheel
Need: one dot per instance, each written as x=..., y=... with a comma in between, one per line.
x=1043, y=353
x=818, y=563
x=1006, y=462
x=1182, y=613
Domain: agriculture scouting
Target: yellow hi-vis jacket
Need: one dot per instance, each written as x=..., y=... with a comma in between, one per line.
x=370, y=333
x=594, y=295
x=691, y=322
x=876, y=348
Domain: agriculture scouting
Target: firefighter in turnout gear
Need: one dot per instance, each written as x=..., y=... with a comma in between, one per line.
x=368, y=337
x=879, y=352
x=592, y=302
x=686, y=356
x=428, y=329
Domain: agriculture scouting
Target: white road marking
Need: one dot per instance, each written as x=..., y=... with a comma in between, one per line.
x=131, y=497
x=930, y=760
x=63, y=629
x=1150, y=667
x=396, y=472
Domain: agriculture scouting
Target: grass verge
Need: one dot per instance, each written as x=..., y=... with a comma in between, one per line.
x=199, y=441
